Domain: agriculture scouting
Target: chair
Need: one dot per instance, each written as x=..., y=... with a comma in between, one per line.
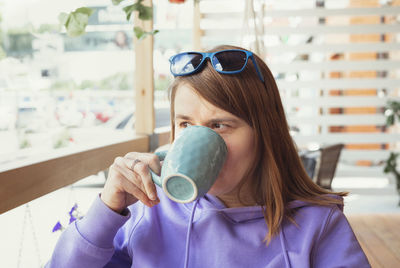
x=321, y=164
x=309, y=160
x=326, y=166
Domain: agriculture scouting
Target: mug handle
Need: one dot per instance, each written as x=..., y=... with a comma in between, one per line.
x=157, y=179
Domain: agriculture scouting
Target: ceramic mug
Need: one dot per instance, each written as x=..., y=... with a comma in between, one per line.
x=192, y=164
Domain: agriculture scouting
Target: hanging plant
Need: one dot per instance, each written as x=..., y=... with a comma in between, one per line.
x=391, y=167
x=392, y=111
x=75, y=22
x=145, y=12
x=141, y=34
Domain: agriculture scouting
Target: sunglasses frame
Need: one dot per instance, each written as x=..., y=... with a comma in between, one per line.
x=209, y=56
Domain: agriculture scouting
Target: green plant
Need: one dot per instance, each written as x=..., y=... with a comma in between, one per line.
x=392, y=111
x=144, y=12
x=391, y=167
x=76, y=21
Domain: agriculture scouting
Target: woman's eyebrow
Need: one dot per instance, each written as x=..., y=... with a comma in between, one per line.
x=223, y=119
x=181, y=116
x=211, y=121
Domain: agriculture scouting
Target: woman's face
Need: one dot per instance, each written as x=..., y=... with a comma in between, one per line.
x=192, y=109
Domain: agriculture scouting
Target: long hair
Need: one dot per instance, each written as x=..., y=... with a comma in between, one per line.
x=277, y=175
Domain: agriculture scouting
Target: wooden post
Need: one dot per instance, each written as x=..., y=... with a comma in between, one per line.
x=144, y=80
x=197, y=33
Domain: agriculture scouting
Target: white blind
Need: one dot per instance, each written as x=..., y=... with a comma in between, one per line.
x=336, y=67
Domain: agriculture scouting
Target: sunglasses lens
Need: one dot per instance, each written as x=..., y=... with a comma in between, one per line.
x=229, y=61
x=185, y=63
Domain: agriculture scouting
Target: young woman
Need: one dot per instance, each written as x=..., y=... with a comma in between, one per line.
x=262, y=211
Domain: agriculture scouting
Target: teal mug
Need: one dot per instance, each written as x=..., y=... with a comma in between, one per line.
x=192, y=164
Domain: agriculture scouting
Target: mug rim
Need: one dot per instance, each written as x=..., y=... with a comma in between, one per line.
x=195, y=190
x=208, y=129
x=203, y=127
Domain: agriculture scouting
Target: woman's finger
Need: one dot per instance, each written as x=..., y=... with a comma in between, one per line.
x=140, y=175
x=133, y=186
x=140, y=163
x=143, y=171
x=124, y=167
x=151, y=160
x=135, y=191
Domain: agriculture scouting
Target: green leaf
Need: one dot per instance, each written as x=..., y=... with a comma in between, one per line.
x=116, y=2
x=63, y=18
x=77, y=24
x=392, y=112
x=390, y=120
x=84, y=10
x=138, y=32
x=386, y=169
x=145, y=12
x=396, y=105
x=129, y=9
x=141, y=34
x=76, y=21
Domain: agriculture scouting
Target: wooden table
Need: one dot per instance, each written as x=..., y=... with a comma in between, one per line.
x=379, y=236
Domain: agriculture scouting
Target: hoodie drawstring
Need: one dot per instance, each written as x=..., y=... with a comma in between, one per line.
x=188, y=233
x=283, y=245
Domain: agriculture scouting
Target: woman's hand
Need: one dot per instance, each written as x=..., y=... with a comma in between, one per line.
x=129, y=180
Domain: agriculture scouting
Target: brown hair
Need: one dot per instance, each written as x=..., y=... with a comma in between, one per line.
x=278, y=174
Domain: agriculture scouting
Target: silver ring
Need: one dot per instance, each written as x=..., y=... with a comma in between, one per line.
x=134, y=163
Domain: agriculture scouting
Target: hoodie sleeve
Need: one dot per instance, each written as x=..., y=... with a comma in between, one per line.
x=337, y=245
x=93, y=241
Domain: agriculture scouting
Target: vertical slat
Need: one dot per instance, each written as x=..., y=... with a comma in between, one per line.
x=144, y=81
x=196, y=26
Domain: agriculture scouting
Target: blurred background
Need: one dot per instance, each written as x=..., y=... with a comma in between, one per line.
x=336, y=63
x=59, y=91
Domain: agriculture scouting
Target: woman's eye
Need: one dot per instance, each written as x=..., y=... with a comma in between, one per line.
x=184, y=124
x=218, y=126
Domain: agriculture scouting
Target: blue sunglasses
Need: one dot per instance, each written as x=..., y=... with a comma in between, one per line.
x=230, y=61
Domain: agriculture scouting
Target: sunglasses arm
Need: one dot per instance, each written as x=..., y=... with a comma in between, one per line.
x=256, y=67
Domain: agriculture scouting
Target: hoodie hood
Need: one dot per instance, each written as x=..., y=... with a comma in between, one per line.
x=237, y=215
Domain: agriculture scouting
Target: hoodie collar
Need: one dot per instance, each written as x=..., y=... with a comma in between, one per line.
x=210, y=203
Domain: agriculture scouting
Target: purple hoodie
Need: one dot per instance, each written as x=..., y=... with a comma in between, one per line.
x=206, y=234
